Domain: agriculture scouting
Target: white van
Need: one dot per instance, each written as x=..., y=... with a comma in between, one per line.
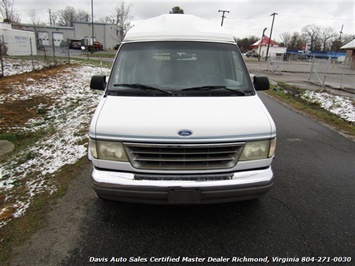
x=180, y=121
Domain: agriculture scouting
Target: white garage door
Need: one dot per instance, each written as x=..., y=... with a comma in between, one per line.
x=57, y=38
x=43, y=38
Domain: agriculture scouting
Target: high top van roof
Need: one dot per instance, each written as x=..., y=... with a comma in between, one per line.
x=178, y=27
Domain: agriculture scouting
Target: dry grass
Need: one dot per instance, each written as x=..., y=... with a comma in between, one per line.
x=291, y=97
x=16, y=113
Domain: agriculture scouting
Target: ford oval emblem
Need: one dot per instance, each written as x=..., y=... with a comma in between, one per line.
x=185, y=133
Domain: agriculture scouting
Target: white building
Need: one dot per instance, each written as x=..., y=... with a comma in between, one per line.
x=107, y=34
x=261, y=47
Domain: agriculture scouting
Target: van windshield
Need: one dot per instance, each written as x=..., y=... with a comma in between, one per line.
x=179, y=69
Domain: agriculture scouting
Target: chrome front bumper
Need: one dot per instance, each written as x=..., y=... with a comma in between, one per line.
x=113, y=185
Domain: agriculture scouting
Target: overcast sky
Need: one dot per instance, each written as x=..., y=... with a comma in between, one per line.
x=246, y=17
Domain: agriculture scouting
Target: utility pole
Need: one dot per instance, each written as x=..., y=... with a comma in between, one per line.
x=338, y=43
x=50, y=16
x=92, y=20
x=272, y=26
x=223, y=17
x=341, y=32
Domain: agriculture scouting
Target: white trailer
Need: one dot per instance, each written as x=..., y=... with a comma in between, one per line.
x=17, y=42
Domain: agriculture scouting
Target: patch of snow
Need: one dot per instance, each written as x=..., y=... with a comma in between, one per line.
x=338, y=105
x=69, y=116
x=13, y=66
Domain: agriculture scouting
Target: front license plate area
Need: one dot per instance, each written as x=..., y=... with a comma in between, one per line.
x=184, y=196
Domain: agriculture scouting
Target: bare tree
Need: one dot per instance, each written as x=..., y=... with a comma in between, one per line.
x=36, y=22
x=122, y=17
x=82, y=16
x=346, y=38
x=69, y=15
x=296, y=41
x=312, y=34
x=286, y=38
x=33, y=17
x=7, y=11
x=108, y=20
x=54, y=18
x=328, y=35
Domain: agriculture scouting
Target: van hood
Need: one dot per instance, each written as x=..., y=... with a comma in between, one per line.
x=164, y=118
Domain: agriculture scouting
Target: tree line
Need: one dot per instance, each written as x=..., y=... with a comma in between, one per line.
x=312, y=37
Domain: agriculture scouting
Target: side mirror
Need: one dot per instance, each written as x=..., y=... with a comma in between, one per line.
x=98, y=83
x=261, y=83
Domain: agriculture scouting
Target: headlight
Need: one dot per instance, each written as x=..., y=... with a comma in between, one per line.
x=108, y=150
x=256, y=150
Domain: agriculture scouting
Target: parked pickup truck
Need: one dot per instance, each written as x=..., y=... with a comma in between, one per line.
x=180, y=121
x=97, y=46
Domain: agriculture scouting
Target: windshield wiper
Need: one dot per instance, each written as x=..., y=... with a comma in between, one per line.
x=142, y=87
x=211, y=87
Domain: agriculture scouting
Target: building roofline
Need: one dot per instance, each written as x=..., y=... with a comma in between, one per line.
x=65, y=27
x=348, y=46
x=46, y=26
x=95, y=23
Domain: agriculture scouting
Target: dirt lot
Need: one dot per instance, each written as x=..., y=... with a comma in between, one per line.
x=16, y=112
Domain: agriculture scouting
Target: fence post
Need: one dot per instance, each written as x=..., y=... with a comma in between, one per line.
x=68, y=51
x=327, y=70
x=55, y=62
x=45, y=53
x=312, y=66
x=33, y=65
x=2, y=47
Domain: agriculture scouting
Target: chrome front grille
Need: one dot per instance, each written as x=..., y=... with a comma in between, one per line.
x=198, y=178
x=183, y=156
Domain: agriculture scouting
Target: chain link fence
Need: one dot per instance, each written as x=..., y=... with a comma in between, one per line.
x=275, y=64
x=36, y=59
x=54, y=54
x=328, y=72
